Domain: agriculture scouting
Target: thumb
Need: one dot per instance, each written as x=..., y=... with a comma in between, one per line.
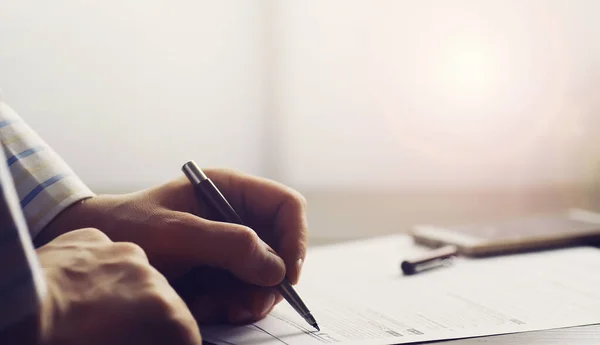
x=233, y=247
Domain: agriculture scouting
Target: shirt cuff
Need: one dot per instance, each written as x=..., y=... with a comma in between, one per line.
x=53, y=200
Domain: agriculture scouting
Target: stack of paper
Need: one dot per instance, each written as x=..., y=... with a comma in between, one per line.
x=357, y=293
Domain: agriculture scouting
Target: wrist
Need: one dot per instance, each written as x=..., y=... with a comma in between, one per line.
x=85, y=213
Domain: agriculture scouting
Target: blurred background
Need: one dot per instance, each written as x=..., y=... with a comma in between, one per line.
x=383, y=113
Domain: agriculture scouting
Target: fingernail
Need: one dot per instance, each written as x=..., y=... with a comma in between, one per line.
x=240, y=316
x=267, y=304
x=299, y=264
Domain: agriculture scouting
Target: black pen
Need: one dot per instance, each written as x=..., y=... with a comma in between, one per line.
x=203, y=185
x=439, y=257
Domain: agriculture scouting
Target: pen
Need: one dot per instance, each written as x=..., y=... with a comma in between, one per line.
x=204, y=186
x=436, y=258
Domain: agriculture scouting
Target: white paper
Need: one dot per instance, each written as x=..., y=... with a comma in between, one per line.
x=357, y=293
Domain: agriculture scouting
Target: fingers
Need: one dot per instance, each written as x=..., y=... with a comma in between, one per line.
x=291, y=225
x=92, y=237
x=259, y=302
x=186, y=327
x=265, y=199
x=233, y=247
x=239, y=306
x=90, y=276
x=83, y=235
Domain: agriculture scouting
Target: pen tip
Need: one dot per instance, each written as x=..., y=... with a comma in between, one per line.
x=311, y=321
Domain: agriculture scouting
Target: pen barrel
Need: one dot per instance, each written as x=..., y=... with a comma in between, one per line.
x=217, y=202
x=290, y=295
x=433, y=259
x=206, y=190
x=437, y=254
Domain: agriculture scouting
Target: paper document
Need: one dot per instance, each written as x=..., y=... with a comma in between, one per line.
x=357, y=293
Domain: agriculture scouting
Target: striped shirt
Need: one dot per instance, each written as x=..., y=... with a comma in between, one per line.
x=36, y=185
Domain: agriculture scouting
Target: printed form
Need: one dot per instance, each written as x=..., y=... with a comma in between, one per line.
x=358, y=294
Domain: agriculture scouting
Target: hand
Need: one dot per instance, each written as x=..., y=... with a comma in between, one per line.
x=177, y=233
x=100, y=292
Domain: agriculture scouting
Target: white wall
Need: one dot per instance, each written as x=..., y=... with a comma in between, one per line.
x=337, y=93
x=128, y=90
x=438, y=93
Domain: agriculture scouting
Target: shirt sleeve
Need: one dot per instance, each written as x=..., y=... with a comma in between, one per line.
x=22, y=286
x=44, y=183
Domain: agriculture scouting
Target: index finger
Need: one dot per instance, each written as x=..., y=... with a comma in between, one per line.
x=270, y=200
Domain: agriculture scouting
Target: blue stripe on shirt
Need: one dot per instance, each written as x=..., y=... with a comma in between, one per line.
x=23, y=154
x=37, y=190
x=6, y=123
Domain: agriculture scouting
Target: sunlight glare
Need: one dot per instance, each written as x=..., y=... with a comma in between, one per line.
x=470, y=72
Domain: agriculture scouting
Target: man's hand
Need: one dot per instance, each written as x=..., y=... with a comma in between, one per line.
x=177, y=233
x=100, y=292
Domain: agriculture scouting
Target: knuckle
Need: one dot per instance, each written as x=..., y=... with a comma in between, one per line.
x=140, y=270
x=155, y=304
x=131, y=271
x=92, y=234
x=130, y=249
x=247, y=241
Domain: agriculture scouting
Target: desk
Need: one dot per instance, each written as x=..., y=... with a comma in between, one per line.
x=329, y=260
x=328, y=263
x=336, y=216
x=586, y=335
